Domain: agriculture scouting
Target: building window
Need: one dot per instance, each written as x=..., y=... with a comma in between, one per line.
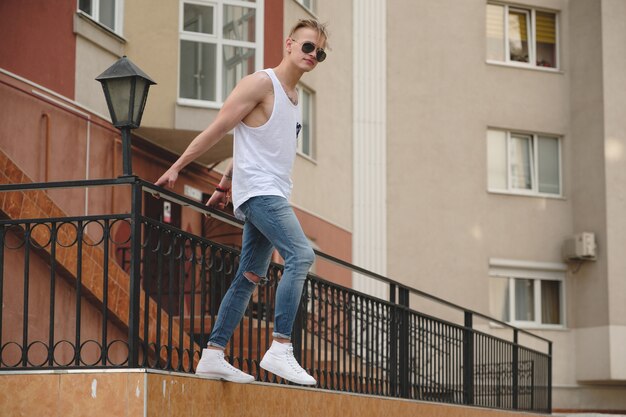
x=521, y=36
x=106, y=12
x=524, y=163
x=309, y=4
x=220, y=43
x=306, y=104
x=527, y=295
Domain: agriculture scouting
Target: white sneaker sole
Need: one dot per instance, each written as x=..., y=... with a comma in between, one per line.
x=277, y=372
x=222, y=378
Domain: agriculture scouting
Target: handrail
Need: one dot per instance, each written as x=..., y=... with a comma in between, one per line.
x=349, y=340
x=127, y=180
x=172, y=196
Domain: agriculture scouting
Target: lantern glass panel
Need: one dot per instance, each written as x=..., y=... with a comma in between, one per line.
x=119, y=94
x=141, y=92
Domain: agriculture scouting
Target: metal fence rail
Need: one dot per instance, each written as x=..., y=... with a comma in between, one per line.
x=154, y=291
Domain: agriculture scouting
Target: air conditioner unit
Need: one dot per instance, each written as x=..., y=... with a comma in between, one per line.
x=581, y=246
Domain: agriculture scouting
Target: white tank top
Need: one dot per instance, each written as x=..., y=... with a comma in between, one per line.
x=263, y=156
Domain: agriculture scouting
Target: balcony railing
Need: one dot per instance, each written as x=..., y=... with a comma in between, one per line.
x=150, y=293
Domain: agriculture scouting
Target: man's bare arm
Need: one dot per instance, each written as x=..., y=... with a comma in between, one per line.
x=248, y=93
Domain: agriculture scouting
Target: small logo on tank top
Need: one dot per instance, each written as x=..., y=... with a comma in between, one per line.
x=298, y=129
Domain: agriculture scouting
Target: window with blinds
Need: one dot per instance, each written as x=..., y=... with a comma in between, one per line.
x=521, y=36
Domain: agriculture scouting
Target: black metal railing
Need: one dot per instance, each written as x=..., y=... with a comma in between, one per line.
x=126, y=290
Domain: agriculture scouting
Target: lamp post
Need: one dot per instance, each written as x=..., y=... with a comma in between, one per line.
x=126, y=90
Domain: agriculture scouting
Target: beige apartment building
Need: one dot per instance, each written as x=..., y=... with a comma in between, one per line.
x=504, y=135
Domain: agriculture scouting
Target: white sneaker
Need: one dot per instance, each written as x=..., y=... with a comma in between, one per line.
x=279, y=360
x=213, y=366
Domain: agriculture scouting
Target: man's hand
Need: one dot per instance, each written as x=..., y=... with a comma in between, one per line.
x=218, y=199
x=168, y=179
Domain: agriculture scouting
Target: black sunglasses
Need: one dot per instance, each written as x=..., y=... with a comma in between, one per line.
x=308, y=47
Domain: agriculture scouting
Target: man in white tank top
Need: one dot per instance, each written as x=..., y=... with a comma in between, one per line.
x=263, y=111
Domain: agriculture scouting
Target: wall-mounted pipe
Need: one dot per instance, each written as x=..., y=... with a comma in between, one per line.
x=46, y=163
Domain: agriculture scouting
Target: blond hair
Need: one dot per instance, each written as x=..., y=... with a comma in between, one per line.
x=311, y=24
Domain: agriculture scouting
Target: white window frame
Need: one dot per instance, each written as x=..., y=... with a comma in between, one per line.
x=310, y=9
x=217, y=39
x=532, y=31
x=537, y=272
x=530, y=19
x=534, y=174
x=95, y=15
x=300, y=87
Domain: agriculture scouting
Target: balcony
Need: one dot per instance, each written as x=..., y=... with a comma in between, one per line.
x=117, y=306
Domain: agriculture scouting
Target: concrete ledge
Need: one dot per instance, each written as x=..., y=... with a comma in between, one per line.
x=146, y=393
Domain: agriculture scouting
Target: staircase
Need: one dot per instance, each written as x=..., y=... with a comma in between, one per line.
x=82, y=266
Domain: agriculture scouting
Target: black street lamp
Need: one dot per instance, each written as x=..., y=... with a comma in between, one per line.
x=126, y=90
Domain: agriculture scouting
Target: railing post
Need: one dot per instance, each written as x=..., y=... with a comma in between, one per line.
x=2, y=232
x=298, y=325
x=393, y=343
x=549, y=410
x=468, y=360
x=532, y=385
x=404, y=342
x=515, y=369
x=135, y=271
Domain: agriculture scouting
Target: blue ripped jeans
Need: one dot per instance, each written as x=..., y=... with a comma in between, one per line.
x=270, y=223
